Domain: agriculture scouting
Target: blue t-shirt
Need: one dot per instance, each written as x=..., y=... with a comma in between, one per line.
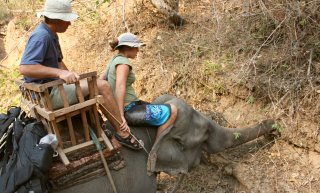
x=42, y=48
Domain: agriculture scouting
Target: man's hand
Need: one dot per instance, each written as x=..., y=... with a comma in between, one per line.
x=68, y=76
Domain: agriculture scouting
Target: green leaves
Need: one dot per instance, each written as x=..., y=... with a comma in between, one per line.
x=98, y=3
x=237, y=135
x=277, y=127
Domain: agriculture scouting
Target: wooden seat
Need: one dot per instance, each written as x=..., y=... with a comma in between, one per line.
x=37, y=98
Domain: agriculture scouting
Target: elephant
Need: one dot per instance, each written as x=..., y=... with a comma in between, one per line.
x=176, y=151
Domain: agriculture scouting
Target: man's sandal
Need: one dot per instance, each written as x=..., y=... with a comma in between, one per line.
x=127, y=142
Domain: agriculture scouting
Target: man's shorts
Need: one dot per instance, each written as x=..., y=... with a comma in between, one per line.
x=69, y=89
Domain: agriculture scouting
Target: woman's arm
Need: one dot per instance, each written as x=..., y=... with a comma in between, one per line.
x=103, y=76
x=122, y=72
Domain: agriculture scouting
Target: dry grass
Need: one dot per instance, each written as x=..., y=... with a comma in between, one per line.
x=258, y=52
x=280, y=44
x=4, y=12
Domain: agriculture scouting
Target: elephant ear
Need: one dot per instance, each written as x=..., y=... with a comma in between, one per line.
x=167, y=155
x=178, y=148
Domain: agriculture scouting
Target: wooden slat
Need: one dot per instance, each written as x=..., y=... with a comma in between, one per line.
x=79, y=92
x=107, y=141
x=48, y=100
x=63, y=96
x=46, y=125
x=95, y=86
x=83, y=112
x=85, y=125
x=57, y=132
x=43, y=101
x=63, y=156
x=90, y=88
x=97, y=121
x=80, y=146
x=63, y=117
x=74, y=113
x=75, y=107
x=71, y=130
x=100, y=99
x=42, y=87
x=38, y=98
x=57, y=82
x=26, y=103
x=31, y=96
x=49, y=115
x=36, y=87
x=92, y=118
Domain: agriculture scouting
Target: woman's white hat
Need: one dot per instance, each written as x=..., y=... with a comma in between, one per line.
x=58, y=9
x=129, y=39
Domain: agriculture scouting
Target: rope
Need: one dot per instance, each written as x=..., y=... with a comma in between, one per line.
x=134, y=137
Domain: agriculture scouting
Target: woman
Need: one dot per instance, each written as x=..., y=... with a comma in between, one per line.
x=120, y=75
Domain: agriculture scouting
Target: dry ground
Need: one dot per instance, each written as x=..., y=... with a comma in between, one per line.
x=202, y=65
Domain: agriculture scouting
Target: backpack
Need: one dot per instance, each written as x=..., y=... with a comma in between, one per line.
x=26, y=163
x=6, y=125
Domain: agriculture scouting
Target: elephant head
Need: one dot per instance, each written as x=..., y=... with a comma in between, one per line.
x=179, y=147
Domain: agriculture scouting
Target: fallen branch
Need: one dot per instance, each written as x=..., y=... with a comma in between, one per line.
x=16, y=46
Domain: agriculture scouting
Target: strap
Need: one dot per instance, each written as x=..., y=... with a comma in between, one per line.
x=12, y=114
x=7, y=150
x=95, y=139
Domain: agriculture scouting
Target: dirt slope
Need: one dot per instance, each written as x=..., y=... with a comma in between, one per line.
x=201, y=64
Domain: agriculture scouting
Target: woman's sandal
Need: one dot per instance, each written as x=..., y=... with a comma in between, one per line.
x=127, y=142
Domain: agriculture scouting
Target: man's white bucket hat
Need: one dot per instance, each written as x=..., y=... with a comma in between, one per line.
x=129, y=39
x=58, y=9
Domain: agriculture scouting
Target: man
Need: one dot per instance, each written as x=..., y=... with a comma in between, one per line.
x=42, y=62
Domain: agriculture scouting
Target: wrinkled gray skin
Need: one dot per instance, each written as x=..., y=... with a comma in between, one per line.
x=131, y=179
x=177, y=150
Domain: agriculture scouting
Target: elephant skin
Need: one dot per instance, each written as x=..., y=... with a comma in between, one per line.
x=131, y=179
x=176, y=151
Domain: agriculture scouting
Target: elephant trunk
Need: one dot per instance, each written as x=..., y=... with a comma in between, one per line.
x=221, y=138
x=241, y=136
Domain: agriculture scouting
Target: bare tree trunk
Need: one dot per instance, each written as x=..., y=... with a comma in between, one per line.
x=171, y=10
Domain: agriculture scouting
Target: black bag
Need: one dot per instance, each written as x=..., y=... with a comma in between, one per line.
x=6, y=130
x=27, y=168
x=7, y=119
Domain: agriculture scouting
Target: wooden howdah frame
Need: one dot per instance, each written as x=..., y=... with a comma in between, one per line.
x=37, y=99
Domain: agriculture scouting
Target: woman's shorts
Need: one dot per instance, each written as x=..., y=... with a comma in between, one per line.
x=139, y=113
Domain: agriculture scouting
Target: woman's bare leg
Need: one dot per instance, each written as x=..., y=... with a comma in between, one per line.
x=112, y=106
x=169, y=122
x=109, y=102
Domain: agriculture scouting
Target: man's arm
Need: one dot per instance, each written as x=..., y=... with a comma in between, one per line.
x=63, y=66
x=40, y=71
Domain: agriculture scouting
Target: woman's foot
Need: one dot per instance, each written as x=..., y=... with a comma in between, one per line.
x=128, y=141
x=115, y=143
